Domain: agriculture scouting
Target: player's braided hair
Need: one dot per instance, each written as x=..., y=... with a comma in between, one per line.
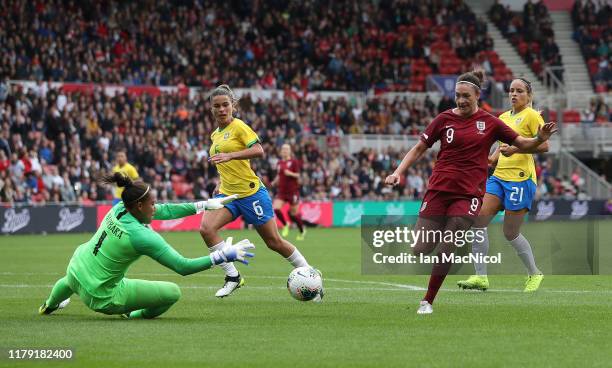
x=134, y=190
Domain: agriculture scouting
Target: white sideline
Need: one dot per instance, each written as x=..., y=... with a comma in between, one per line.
x=389, y=286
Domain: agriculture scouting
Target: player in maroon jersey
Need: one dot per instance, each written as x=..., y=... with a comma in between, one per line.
x=457, y=184
x=288, y=191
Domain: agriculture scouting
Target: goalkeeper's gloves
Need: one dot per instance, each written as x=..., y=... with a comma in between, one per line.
x=233, y=252
x=213, y=203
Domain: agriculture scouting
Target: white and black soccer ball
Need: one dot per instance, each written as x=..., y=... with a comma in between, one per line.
x=304, y=283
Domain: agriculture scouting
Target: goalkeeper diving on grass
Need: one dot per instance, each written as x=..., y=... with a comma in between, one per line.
x=96, y=272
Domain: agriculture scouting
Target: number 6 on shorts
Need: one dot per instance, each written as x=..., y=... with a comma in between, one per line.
x=257, y=208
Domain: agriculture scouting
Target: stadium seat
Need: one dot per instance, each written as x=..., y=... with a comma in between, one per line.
x=571, y=116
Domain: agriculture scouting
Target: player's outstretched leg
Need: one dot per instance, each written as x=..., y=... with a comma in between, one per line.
x=145, y=299
x=59, y=298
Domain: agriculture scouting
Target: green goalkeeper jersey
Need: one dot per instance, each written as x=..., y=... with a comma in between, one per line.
x=101, y=263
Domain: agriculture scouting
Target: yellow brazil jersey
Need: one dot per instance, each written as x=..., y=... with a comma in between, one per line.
x=128, y=170
x=237, y=177
x=520, y=166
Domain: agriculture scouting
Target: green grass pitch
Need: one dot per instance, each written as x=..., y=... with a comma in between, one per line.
x=364, y=321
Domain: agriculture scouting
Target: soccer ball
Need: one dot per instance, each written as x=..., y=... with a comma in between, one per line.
x=304, y=283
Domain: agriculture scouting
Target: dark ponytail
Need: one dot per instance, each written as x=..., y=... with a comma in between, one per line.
x=476, y=78
x=134, y=190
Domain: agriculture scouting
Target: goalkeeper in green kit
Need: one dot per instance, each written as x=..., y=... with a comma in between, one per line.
x=97, y=269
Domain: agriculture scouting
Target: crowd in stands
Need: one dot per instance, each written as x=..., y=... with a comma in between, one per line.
x=303, y=45
x=531, y=32
x=53, y=146
x=593, y=31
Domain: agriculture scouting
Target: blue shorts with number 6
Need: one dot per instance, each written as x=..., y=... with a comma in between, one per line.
x=255, y=209
x=515, y=195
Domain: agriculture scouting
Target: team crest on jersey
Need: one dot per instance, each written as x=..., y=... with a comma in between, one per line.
x=480, y=125
x=226, y=136
x=518, y=121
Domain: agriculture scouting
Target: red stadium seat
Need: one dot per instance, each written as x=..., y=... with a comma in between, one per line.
x=571, y=116
x=593, y=65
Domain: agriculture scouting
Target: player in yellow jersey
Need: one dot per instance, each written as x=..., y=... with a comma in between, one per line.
x=511, y=188
x=233, y=144
x=124, y=167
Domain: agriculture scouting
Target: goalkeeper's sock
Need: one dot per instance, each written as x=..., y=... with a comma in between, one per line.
x=297, y=259
x=280, y=217
x=228, y=267
x=148, y=313
x=523, y=250
x=60, y=292
x=298, y=221
x=480, y=247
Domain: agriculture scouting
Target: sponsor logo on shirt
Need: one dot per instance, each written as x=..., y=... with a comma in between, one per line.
x=15, y=220
x=69, y=220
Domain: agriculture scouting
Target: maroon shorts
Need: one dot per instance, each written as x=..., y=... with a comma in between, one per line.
x=290, y=197
x=437, y=203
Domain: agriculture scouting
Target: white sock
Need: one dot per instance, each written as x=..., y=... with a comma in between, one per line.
x=480, y=248
x=228, y=267
x=297, y=259
x=523, y=250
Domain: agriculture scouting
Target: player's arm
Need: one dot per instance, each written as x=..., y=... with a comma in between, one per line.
x=411, y=157
x=292, y=174
x=494, y=157
x=150, y=243
x=534, y=123
x=527, y=144
x=250, y=140
x=427, y=139
x=254, y=151
x=508, y=151
x=171, y=211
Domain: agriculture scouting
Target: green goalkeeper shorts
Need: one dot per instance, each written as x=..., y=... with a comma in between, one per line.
x=129, y=295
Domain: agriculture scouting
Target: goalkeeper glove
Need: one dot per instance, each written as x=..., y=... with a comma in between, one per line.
x=213, y=203
x=236, y=252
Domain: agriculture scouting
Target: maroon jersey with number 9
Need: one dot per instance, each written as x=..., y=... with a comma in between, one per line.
x=462, y=162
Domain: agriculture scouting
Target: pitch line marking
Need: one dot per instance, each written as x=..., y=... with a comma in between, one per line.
x=386, y=286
